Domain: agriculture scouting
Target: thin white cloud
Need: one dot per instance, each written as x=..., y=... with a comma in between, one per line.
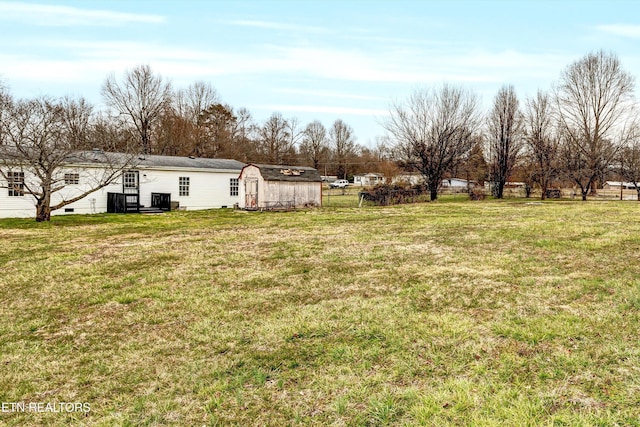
x=382, y=66
x=508, y=62
x=631, y=31
x=323, y=109
x=52, y=15
x=327, y=94
x=379, y=66
x=281, y=26
x=93, y=61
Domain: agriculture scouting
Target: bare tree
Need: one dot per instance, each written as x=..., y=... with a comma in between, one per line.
x=112, y=134
x=5, y=105
x=175, y=134
x=505, y=138
x=44, y=140
x=629, y=158
x=541, y=141
x=295, y=137
x=218, y=137
x=244, y=131
x=188, y=114
x=192, y=101
x=274, y=139
x=592, y=98
x=343, y=144
x=142, y=97
x=315, y=145
x=434, y=130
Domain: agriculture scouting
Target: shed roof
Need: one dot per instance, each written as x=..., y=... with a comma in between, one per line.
x=288, y=173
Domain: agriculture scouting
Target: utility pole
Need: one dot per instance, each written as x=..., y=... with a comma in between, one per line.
x=621, y=176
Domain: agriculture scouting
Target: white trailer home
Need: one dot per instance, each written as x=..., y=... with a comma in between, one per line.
x=151, y=182
x=279, y=187
x=368, y=179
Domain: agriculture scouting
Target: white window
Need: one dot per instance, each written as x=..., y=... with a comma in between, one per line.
x=233, y=186
x=71, y=178
x=130, y=180
x=15, y=184
x=183, y=186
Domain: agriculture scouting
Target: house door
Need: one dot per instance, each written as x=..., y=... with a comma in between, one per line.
x=251, y=193
x=131, y=190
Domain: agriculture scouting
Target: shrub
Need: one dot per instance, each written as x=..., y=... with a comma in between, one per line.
x=476, y=192
x=384, y=195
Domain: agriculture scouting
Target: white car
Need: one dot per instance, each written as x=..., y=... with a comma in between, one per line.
x=339, y=183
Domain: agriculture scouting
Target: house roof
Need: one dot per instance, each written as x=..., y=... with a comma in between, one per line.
x=190, y=162
x=156, y=161
x=370, y=174
x=617, y=183
x=288, y=173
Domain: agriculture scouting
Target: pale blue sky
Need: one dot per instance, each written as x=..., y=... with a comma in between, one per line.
x=310, y=59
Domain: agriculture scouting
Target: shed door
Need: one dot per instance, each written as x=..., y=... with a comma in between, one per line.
x=251, y=193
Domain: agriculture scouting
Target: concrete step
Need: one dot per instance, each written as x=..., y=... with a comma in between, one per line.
x=144, y=210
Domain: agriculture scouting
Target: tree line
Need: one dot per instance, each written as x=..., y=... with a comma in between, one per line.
x=580, y=132
x=147, y=115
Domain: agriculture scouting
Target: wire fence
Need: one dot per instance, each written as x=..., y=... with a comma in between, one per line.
x=350, y=196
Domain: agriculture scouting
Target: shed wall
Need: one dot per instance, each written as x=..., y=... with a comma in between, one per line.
x=279, y=194
x=296, y=194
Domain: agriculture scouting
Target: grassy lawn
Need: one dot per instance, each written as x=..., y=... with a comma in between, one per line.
x=446, y=313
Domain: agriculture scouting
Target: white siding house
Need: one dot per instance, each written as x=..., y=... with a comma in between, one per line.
x=615, y=185
x=193, y=183
x=368, y=179
x=417, y=179
x=279, y=187
x=410, y=178
x=455, y=183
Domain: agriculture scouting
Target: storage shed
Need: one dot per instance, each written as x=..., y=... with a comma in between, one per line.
x=279, y=187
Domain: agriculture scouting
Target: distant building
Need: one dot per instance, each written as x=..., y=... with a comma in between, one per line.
x=279, y=187
x=368, y=179
x=410, y=178
x=615, y=185
x=418, y=179
x=455, y=183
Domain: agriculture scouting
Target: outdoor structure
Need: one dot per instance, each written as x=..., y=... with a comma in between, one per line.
x=368, y=179
x=455, y=183
x=279, y=187
x=409, y=178
x=159, y=182
x=615, y=185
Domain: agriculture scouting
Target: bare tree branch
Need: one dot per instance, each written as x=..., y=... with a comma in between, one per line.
x=45, y=146
x=592, y=98
x=505, y=137
x=433, y=131
x=315, y=145
x=541, y=141
x=343, y=144
x=141, y=97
